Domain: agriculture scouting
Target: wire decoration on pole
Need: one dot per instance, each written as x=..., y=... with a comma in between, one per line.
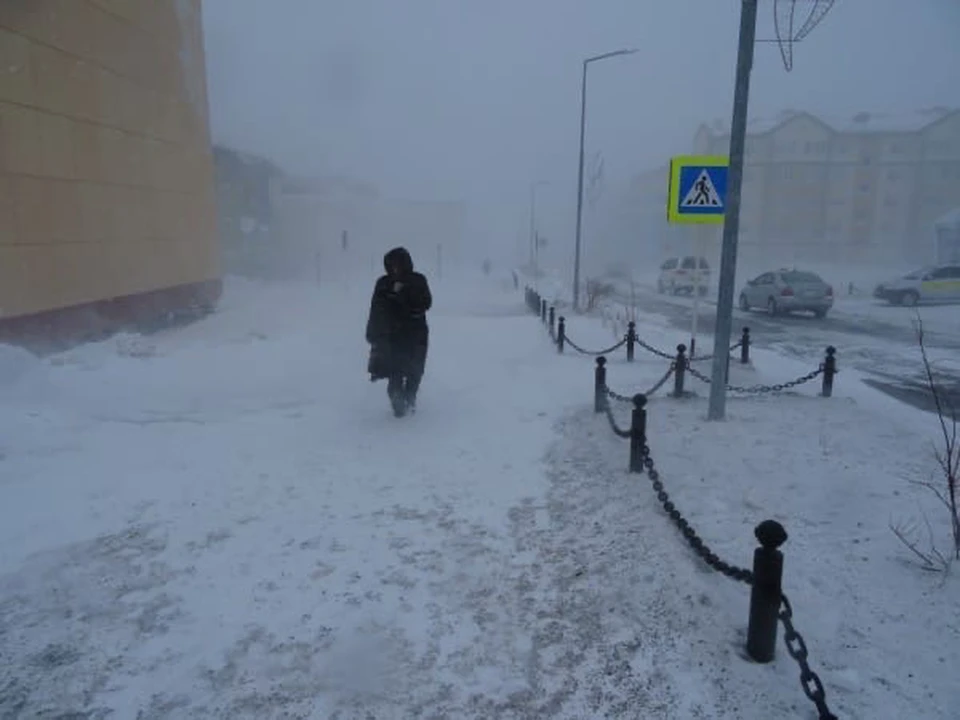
x=785, y=24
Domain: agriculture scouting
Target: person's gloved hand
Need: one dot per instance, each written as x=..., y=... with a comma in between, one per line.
x=397, y=286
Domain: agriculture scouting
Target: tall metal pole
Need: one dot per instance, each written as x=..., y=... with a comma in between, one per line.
x=731, y=224
x=583, y=125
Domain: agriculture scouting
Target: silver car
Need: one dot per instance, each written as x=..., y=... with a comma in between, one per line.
x=940, y=284
x=784, y=291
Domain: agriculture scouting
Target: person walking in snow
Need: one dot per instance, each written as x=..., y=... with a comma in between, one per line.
x=397, y=329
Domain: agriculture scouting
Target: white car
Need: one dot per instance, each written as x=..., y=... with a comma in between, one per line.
x=679, y=275
x=938, y=284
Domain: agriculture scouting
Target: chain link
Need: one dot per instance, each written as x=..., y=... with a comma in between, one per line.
x=809, y=680
x=629, y=398
x=650, y=348
x=707, y=555
x=760, y=389
x=610, y=349
x=619, y=432
x=662, y=381
x=618, y=397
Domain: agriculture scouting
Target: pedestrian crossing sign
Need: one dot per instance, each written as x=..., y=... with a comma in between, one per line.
x=698, y=189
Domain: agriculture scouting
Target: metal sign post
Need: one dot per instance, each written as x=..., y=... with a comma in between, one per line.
x=731, y=225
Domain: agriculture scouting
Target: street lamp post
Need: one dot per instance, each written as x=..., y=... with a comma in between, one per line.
x=534, y=240
x=583, y=125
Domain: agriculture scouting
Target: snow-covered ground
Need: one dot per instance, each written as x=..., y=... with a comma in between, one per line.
x=225, y=521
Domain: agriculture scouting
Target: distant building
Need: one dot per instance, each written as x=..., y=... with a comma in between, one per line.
x=865, y=189
x=246, y=189
x=336, y=227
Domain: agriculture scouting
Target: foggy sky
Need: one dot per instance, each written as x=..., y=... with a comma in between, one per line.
x=475, y=99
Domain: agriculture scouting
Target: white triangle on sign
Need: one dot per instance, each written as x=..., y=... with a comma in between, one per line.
x=702, y=193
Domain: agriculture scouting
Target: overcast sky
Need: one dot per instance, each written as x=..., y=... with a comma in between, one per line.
x=475, y=99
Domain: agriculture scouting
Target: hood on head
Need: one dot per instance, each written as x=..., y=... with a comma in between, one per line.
x=399, y=257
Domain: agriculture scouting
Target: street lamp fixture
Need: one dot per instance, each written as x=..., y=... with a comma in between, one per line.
x=583, y=124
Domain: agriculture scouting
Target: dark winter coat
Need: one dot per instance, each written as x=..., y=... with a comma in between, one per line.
x=397, y=324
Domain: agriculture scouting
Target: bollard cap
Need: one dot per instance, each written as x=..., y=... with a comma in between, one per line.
x=746, y=330
x=681, y=348
x=631, y=324
x=601, y=361
x=770, y=534
x=562, y=319
x=831, y=350
x=639, y=401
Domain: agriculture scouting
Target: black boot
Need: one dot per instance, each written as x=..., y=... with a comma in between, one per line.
x=398, y=397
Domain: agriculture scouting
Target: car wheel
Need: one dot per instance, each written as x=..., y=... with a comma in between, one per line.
x=820, y=314
x=909, y=298
x=772, y=307
x=744, y=303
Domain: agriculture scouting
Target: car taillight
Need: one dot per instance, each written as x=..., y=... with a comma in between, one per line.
x=829, y=289
x=786, y=292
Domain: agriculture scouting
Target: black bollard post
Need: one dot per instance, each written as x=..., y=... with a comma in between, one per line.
x=726, y=376
x=631, y=339
x=638, y=433
x=561, y=333
x=829, y=370
x=600, y=385
x=765, y=595
x=679, y=369
x=543, y=310
x=745, y=346
x=553, y=320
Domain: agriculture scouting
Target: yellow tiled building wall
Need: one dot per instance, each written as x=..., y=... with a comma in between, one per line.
x=106, y=173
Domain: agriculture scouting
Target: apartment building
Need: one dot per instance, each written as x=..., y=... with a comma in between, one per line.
x=106, y=182
x=863, y=189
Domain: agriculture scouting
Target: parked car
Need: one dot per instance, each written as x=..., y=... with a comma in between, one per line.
x=936, y=284
x=679, y=275
x=784, y=291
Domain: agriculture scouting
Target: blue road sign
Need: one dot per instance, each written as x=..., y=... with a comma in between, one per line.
x=698, y=189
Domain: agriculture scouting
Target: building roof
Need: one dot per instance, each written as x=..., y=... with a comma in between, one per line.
x=862, y=122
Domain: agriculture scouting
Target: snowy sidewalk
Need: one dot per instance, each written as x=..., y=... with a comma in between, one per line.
x=225, y=521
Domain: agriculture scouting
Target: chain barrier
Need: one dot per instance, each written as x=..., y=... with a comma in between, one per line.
x=760, y=389
x=662, y=381
x=628, y=399
x=809, y=680
x=618, y=397
x=705, y=554
x=650, y=348
x=618, y=431
x=607, y=351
